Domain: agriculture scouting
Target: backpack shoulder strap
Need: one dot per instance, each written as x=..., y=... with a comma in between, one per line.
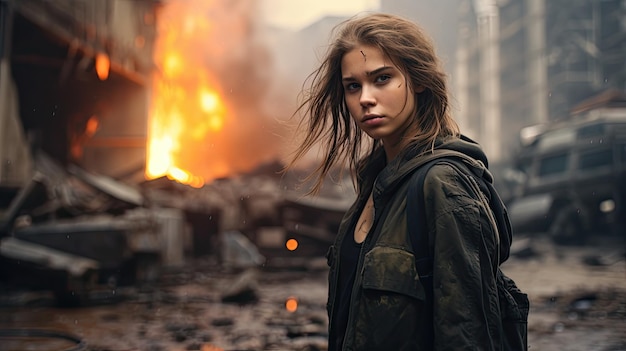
x=416, y=221
x=418, y=236
x=416, y=213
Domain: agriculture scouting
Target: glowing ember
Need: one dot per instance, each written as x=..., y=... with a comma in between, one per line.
x=103, y=65
x=92, y=126
x=291, y=244
x=209, y=347
x=291, y=304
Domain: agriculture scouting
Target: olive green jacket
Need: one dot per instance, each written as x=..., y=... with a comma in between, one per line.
x=387, y=304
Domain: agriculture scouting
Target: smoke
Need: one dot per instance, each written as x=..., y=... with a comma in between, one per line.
x=222, y=40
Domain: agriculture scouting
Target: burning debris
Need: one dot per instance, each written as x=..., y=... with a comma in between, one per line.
x=144, y=149
x=96, y=233
x=126, y=196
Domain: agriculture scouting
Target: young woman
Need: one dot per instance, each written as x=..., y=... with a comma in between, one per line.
x=379, y=101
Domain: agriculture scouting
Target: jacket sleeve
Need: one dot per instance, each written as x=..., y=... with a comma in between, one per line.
x=466, y=315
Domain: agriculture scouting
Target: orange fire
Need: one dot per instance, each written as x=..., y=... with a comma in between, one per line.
x=187, y=109
x=207, y=118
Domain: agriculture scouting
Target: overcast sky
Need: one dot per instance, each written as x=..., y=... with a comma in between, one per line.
x=297, y=14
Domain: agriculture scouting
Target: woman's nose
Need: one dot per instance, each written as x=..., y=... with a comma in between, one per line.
x=367, y=97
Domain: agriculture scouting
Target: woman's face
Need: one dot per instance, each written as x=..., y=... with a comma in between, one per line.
x=377, y=95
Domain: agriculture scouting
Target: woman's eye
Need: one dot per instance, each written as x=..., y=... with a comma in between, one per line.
x=352, y=86
x=383, y=78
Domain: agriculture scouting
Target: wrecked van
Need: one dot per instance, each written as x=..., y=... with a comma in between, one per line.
x=575, y=186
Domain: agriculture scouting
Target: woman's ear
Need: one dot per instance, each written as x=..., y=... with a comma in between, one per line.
x=419, y=89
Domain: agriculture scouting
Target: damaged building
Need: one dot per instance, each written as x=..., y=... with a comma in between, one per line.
x=74, y=98
x=77, y=210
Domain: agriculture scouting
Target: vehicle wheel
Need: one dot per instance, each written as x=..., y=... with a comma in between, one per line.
x=568, y=226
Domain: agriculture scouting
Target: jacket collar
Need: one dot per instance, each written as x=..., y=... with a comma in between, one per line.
x=386, y=177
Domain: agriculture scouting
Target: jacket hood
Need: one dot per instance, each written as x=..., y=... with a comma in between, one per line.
x=465, y=146
x=413, y=157
x=399, y=169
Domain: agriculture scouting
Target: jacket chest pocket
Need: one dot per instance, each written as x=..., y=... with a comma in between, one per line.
x=390, y=302
x=392, y=270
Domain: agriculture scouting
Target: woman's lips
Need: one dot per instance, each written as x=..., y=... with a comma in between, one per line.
x=372, y=119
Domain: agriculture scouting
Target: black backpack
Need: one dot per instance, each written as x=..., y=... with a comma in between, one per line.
x=514, y=304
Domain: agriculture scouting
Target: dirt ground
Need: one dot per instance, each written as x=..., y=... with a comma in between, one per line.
x=577, y=294
x=578, y=302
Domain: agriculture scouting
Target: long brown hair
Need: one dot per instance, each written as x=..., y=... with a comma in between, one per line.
x=329, y=123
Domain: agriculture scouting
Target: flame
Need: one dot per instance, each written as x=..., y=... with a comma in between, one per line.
x=187, y=108
x=103, y=65
x=92, y=126
x=206, y=119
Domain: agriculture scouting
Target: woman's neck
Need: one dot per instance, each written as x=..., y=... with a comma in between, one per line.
x=393, y=150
